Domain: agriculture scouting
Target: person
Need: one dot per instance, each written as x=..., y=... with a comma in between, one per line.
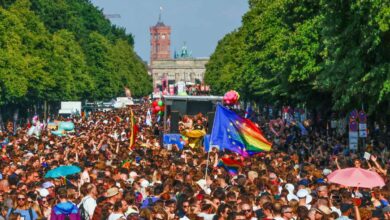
x=223, y=212
x=287, y=212
x=64, y=209
x=206, y=212
x=105, y=207
x=22, y=208
x=247, y=209
x=88, y=203
x=117, y=213
x=45, y=207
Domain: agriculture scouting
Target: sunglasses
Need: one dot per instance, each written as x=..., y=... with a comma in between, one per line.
x=246, y=210
x=19, y=198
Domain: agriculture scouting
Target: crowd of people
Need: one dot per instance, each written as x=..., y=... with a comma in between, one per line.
x=148, y=181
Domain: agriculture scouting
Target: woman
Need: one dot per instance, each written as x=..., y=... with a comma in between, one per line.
x=21, y=206
x=45, y=208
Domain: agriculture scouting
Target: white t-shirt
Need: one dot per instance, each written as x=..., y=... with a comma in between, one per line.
x=89, y=205
x=116, y=216
x=206, y=216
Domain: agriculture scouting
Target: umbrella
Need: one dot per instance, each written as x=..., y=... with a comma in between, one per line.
x=62, y=171
x=356, y=177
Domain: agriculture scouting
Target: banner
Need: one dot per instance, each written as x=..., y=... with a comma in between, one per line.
x=362, y=124
x=173, y=139
x=353, y=130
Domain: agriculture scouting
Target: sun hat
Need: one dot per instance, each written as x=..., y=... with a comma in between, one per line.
x=303, y=193
x=112, y=192
x=324, y=209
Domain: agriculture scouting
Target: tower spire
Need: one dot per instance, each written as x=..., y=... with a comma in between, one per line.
x=159, y=16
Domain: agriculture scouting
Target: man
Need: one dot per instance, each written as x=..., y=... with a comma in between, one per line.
x=64, y=209
x=267, y=211
x=346, y=211
x=247, y=210
x=112, y=196
x=287, y=212
x=88, y=203
x=322, y=191
x=321, y=211
x=206, y=212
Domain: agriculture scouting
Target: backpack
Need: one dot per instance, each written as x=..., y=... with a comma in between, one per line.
x=29, y=212
x=83, y=213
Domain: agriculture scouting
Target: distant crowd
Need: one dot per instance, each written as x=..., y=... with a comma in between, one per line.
x=146, y=180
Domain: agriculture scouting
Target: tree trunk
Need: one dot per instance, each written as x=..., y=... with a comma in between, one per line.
x=45, y=110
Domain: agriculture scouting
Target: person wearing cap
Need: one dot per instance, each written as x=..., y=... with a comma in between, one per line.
x=322, y=212
x=112, y=196
x=304, y=198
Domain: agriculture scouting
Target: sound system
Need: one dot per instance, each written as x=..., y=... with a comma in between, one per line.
x=175, y=117
x=210, y=121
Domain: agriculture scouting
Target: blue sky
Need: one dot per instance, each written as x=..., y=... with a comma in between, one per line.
x=199, y=23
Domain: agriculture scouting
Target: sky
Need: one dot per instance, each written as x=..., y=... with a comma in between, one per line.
x=199, y=23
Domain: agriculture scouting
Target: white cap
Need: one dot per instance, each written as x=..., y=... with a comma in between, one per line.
x=47, y=185
x=290, y=187
x=144, y=183
x=326, y=172
x=303, y=193
x=43, y=192
x=133, y=174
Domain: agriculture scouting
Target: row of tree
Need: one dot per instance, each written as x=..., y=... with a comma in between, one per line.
x=320, y=53
x=64, y=50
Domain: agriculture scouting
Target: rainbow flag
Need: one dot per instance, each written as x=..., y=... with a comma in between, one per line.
x=237, y=134
x=230, y=165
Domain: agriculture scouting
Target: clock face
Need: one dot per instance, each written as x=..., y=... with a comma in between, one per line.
x=163, y=36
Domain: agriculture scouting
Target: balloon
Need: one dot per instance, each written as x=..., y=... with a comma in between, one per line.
x=160, y=113
x=231, y=97
x=154, y=103
x=160, y=103
x=67, y=126
x=157, y=108
x=58, y=133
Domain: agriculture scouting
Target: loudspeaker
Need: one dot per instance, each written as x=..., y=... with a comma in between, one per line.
x=175, y=121
x=210, y=121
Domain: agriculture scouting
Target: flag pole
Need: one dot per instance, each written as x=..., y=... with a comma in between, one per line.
x=208, y=158
x=210, y=142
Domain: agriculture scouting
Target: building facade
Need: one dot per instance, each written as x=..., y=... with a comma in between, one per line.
x=165, y=70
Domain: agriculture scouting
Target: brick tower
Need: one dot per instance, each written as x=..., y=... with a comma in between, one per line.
x=160, y=41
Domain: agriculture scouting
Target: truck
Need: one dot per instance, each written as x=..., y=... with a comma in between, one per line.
x=121, y=102
x=70, y=108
